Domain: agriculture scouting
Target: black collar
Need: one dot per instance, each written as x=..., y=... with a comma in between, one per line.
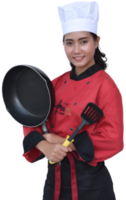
x=90, y=71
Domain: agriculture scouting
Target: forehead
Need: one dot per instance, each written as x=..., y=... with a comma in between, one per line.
x=77, y=35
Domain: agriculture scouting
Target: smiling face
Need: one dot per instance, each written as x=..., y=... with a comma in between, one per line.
x=79, y=44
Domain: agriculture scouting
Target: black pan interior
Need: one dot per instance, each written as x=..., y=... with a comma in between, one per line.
x=26, y=96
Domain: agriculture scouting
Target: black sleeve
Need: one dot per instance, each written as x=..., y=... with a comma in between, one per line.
x=84, y=146
x=30, y=141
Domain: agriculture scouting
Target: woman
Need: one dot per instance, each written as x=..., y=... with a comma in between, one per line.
x=79, y=172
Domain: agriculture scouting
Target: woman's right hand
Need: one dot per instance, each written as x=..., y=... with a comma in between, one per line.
x=55, y=152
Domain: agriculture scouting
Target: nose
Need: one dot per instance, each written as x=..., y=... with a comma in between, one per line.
x=77, y=48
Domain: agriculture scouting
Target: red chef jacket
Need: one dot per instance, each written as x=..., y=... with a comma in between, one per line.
x=83, y=169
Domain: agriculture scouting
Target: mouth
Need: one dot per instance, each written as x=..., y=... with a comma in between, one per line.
x=79, y=58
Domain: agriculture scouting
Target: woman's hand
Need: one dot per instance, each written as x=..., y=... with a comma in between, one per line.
x=55, y=152
x=53, y=138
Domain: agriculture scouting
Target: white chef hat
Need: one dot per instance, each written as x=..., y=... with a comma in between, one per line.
x=79, y=16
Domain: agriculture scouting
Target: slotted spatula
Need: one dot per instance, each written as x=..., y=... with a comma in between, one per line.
x=89, y=115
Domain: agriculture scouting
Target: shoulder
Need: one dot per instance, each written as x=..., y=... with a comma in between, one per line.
x=108, y=80
x=108, y=87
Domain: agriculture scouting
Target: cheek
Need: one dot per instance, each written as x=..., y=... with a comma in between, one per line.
x=89, y=49
x=68, y=51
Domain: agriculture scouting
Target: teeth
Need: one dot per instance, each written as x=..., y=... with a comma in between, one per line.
x=78, y=57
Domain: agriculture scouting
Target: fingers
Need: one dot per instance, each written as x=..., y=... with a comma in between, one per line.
x=69, y=149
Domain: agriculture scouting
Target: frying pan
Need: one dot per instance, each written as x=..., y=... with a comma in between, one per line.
x=28, y=95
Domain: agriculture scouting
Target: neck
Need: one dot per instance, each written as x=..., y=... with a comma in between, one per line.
x=79, y=70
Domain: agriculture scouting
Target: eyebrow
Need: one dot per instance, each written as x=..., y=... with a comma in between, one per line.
x=78, y=39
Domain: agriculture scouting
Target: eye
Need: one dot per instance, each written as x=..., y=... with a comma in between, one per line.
x=71, y=42
x=84, y=41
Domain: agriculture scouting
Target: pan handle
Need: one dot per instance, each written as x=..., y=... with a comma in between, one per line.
x=44, y=128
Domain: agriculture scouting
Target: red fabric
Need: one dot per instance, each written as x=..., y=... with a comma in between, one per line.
x=74, y=189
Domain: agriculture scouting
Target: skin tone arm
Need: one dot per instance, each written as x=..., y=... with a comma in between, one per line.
x=53, y=138
x=41, y=145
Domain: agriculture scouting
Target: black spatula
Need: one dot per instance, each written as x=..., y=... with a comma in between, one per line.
x=90, y=115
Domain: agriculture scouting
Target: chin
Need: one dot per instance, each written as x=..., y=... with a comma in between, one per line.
x=81, y=65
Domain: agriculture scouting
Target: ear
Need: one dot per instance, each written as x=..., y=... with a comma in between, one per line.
x=97, y=41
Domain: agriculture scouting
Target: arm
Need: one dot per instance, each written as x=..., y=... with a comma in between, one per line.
x=53, y=138
x=41, y=145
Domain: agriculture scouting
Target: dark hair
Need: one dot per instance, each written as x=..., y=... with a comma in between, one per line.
x=98, y=56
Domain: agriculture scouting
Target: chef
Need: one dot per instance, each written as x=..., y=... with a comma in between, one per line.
x=81, y=174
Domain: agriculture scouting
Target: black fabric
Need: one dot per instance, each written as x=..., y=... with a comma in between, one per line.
x=88, y=177
x=90, y=71
x=84, y=146
x=31, y=140
x=106, y=193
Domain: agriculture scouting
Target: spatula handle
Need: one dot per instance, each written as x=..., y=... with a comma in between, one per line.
x=78, y=129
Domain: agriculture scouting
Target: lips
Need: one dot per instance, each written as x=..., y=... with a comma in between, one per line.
x=78, y=57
